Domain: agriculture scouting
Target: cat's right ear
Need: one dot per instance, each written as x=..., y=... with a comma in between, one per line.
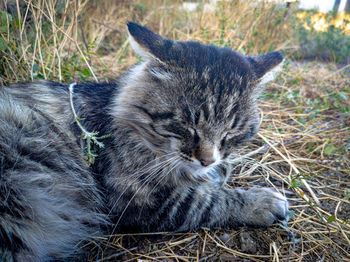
x=148, y=44
x=266, y=66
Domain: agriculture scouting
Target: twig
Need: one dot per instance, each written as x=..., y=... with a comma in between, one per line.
x=338, y=71
x=74, y=41
x=90, y=137
x=205, y=258
x=117, y=254
x=106, y=25
x=292, y=166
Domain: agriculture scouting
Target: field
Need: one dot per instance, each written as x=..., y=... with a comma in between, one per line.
x=303, y=145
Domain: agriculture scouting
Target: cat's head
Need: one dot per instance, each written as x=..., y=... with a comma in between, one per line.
x=194, y=102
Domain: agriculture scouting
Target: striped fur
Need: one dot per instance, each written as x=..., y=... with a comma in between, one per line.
x=174, y=121
x=48, y=198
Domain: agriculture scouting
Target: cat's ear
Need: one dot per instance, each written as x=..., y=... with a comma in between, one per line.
x=148, y=44
x=266, y=66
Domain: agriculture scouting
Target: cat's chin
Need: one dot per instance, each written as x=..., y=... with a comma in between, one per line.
x=201, y=173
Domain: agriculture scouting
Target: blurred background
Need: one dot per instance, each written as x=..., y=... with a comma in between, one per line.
x=86, y=39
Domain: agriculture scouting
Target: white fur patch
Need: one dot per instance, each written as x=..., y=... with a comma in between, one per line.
x=216, y=156
x=270, y=75
x=129, y=92
x=138, y=48
x=209, y=172
x=161, y=75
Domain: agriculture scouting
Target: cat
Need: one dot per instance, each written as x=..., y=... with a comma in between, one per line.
x=171, y=124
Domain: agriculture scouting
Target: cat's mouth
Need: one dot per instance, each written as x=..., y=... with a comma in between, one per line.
x=196, y=171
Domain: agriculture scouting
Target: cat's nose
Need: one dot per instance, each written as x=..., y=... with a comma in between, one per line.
x=207, y=162
x=207, y=154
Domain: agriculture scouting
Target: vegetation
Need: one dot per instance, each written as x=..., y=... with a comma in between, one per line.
x=302, y=148
x=326, y=36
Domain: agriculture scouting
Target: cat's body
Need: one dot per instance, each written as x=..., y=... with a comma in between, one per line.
x=49, y=200
x=172, y=122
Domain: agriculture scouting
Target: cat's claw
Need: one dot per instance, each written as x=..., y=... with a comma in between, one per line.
x=264, y=207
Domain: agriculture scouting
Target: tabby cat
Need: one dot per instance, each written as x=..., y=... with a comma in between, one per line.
x=172, y=122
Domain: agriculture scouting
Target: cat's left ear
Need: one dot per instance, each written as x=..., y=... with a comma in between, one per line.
x=266, y=66
x=148, y=44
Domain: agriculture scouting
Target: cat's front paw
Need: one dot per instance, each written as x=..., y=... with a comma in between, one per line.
x=263, y=207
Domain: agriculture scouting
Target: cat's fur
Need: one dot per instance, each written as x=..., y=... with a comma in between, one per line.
x=173, y=122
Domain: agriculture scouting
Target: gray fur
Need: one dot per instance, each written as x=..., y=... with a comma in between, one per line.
x=174, y=122
x=48, y=198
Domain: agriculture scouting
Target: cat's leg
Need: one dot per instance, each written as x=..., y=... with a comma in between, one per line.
x=214, y=206
x=183, y=207
x=259, y=207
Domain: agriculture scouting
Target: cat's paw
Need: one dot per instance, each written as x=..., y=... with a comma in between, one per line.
x=263, y=207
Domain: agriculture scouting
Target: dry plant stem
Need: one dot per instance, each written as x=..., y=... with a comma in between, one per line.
x=275, y=251
x=339, y=226
x=52, y=14
x=234, y=252
x=90, y=137
x=116, y=255
x=121, y=50
x=76, y=118
x=38, y=26
x=20, y=35
x=70, y=38
x=277, y=151
x=337, y=72
x=293, y=167
x=106, y=25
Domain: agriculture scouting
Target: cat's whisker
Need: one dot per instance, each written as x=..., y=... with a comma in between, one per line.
x=149, y=166
x=127, y=119
x=243, y=160
x=129, y=202
x=148, y=180
x=141, y=171
x=157, y=168
x=163, y=176
x=173, y=165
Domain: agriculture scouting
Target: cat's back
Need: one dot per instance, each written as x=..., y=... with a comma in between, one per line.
x=46, y=188
x=32, y=117
x=49, y=98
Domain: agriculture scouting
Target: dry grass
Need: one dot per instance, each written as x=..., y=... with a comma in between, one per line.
x=302, y=148
x=65, y=40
